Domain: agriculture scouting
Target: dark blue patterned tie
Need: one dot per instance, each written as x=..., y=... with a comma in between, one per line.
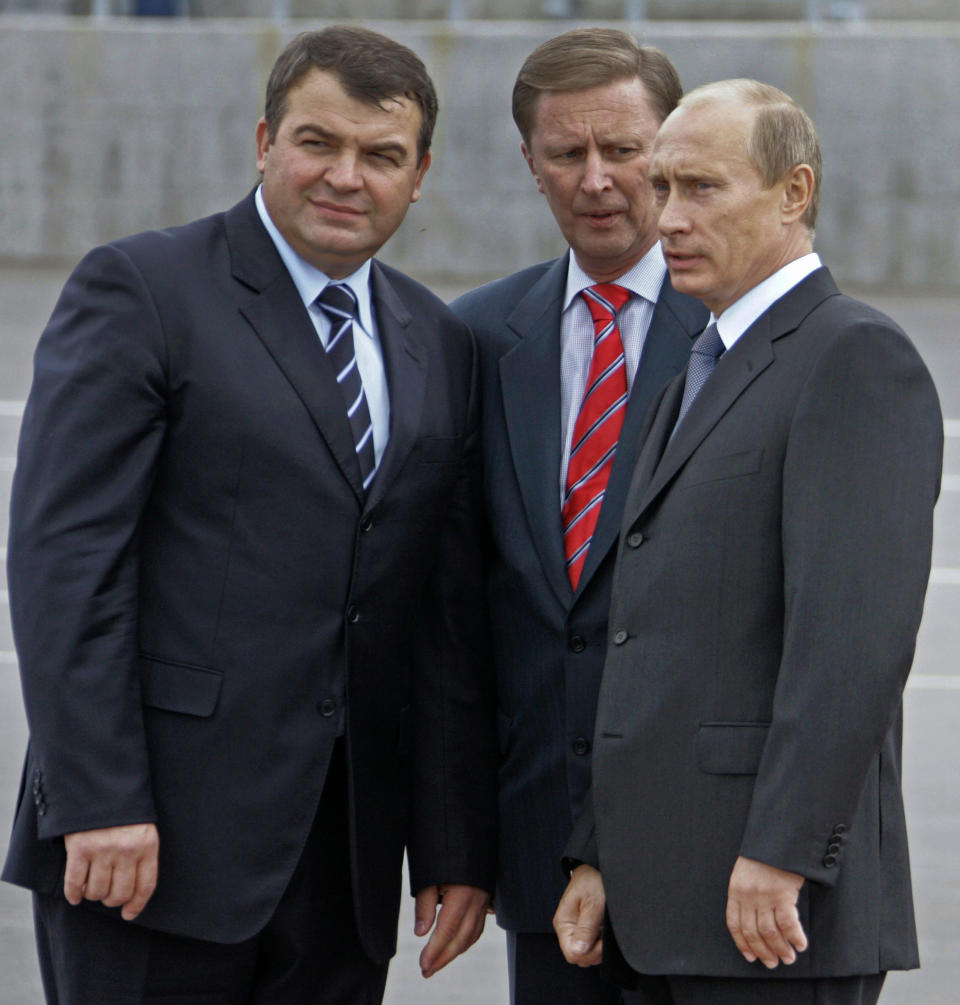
x=340, y=305
x=703, y=358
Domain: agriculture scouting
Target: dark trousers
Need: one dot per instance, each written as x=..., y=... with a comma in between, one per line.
x=761, y=991
x=540, y=975
x=309, y=953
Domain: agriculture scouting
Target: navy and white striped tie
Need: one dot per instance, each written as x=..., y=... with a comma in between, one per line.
x=339, y=304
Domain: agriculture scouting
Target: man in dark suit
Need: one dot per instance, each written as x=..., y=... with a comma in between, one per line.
x=773, y=559
x=243, y=573
x=588, y=105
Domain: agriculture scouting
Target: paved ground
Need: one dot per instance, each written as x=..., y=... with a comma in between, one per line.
x=933, y=699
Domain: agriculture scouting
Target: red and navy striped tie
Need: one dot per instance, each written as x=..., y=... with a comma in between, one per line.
x=597, y=429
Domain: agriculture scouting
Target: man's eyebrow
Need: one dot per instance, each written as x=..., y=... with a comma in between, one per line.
x=311, y=127
x=389, y=146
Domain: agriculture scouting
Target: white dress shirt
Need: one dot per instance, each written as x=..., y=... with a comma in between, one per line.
x=643, y=281
x=310, y=283
x=742, y=313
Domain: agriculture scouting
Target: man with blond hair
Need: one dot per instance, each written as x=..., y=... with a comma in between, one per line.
x=745, y=838
x=572, y=353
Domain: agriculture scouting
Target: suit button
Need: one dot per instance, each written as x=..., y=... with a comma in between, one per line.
x=635, y=539
x=620, y=638
x=833, y=848
x=840, y=829
x=366, y=524
x=353, y=614
x=829, y=860
x=327, y=707
x=581, y=746
x=577, y=643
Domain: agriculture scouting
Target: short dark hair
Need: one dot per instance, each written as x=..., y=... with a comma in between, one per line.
x=370, y=67
x=593, y=57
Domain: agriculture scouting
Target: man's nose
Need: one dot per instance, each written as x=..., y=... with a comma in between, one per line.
x=343, y=173
x=673, y=219
x=596, y=174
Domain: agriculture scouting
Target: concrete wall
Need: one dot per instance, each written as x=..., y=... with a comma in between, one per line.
x=114, y=126
x=671, y=10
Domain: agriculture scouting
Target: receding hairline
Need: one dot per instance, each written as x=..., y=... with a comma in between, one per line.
x=738, y=92
x=781, y=135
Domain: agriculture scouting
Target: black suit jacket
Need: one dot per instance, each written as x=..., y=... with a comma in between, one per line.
x=548, y=640
x=202, y=596
x=769, y=585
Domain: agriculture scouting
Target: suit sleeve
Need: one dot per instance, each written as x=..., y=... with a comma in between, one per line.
x=91, y=431
x=860, y=479
x=454, y=829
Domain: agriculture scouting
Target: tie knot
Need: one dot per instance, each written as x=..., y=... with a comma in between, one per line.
x=605, y=299
x=709, y=343
x=337, y=301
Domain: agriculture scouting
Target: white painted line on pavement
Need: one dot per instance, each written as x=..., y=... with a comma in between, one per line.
x=933, y=682
x=9, y=463
x=14, y=408
x=942, y=575
x=8, y=656
x=951, y=427
x=950, y=483
x=4, y=597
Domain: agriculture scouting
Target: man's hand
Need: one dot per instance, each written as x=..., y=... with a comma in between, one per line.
x=578, y=921
x=463, y=913
x=762, y=913
x=115, y=865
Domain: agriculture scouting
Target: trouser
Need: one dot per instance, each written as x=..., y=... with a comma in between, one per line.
x=309, y=953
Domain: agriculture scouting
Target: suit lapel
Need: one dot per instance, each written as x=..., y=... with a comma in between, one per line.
x=277, y=315
x=676, y=321
x=530, y=382
x=405, y=360
x=735, y=371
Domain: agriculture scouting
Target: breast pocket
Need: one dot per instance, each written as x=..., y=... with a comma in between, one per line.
x=439, y=449
x=714, y=469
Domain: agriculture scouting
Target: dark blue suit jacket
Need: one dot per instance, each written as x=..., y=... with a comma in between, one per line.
x=201, y=593
x=548, y=640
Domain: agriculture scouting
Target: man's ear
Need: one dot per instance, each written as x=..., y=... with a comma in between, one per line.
x=533, y=170
x=263, y=144
x=422, y=169
x=797, y=192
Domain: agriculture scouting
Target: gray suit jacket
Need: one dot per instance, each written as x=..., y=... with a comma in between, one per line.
x=548, y=640
x=767, y=594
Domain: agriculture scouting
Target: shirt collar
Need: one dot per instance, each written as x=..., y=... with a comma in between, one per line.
x=310, y=281
x=742, y=313
x=644, y=279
